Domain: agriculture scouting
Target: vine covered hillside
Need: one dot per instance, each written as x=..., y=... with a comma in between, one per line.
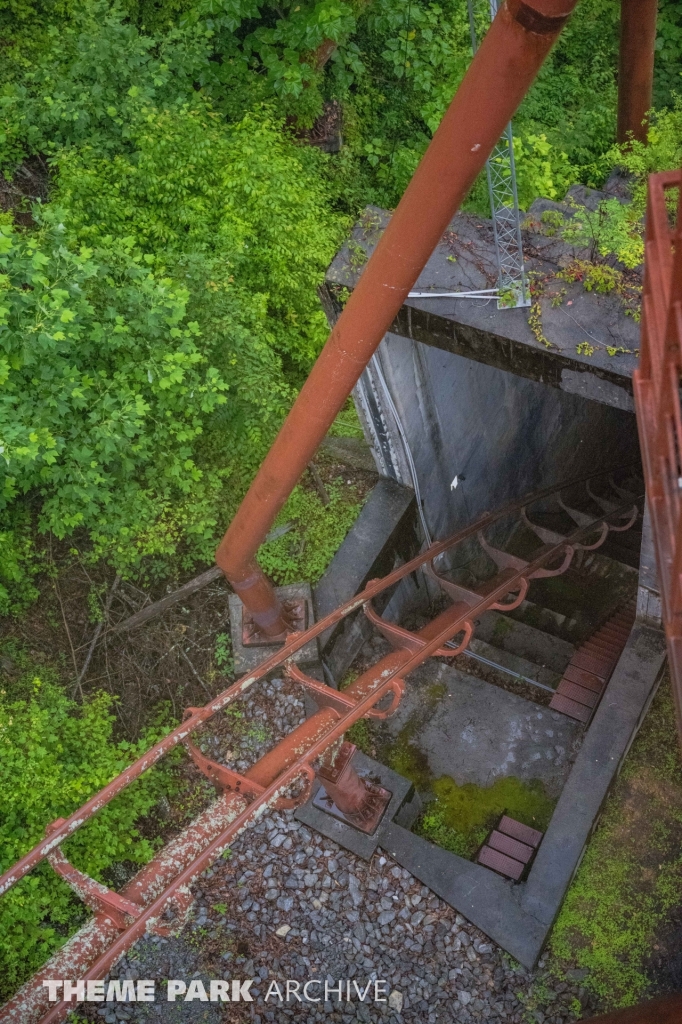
x=166, y=227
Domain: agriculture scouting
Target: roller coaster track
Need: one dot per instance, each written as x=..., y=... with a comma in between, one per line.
x=157, y=900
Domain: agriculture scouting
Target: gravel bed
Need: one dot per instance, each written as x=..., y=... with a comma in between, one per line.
x=252, y=725
x=289, y=904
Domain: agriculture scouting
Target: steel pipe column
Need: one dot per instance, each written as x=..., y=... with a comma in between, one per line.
x=636, y=67
x=498, y=78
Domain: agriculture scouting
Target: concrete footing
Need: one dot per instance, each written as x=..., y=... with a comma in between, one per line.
x=404, y=806
x=247, y=658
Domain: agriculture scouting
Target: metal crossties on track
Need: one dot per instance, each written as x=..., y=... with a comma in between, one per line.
x=156, y=900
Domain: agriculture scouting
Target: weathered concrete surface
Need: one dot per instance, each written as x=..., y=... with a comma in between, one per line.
x=475, y=732
x=521, y=666
x=368, y=552
x=489, y=901
x=464, y=260
x=608, y=739
x=649, y=609
x=524, y=641
x=500, y=435
x=404, y=804
x=354, y=451
x=469, y=381
x=519, y=917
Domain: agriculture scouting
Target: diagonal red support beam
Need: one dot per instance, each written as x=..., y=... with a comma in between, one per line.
x=498, y=78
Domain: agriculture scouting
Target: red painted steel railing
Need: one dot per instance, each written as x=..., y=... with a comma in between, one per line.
x=156, y=900
x=657, y=399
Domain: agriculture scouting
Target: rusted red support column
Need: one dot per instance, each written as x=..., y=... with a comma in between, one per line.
x=498, y=78
x=636, y=67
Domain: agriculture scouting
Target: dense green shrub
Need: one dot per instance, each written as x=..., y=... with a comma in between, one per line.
x=192, y=215
x=104, y=386
x=306, y=550
x=168, y=294
x=53, y=756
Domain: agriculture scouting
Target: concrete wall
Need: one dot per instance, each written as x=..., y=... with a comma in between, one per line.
x=506, y=435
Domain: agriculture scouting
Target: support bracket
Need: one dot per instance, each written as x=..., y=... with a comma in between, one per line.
x=230, y=781
x=405, y=640
x=504, y=560
x=327, y=697
x=550, y=537
x=98, y=897
x=222, y=776
x=459, y=593
x=294, y=613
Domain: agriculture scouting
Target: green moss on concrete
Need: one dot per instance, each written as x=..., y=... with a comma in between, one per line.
x=460, y=817
x=436, y=692
x=616, y=919
x=503, y=627
x=409, y=761
x=360, y=733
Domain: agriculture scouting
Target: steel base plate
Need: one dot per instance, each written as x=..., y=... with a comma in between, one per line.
x=294, y=612
x=381, y=799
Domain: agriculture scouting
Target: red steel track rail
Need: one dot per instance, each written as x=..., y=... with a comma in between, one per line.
x=157, y=899
x=657, y=399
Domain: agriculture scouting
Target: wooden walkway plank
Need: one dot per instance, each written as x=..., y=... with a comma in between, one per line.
x=524, y=833
x=499, y=862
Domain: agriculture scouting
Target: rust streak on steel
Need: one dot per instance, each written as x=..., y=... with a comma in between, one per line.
x=636, y=67
x=90, y=953
x=667, y=1010
x=656, y=385
x=498, y=78
x=238, y=689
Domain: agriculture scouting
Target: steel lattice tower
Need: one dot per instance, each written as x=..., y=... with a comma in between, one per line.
x=504, y=206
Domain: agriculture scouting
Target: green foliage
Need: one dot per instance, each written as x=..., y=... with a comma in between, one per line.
x=168, y=292
x=573, y=101
x=241, y=199
x=305, y=551
x=541, y=169
x=598, y=277
x=663, y=151
x=668, y=48
x=630, y=879
x=18, y=566
x=614, y=228
x=190, y=232
x=54, y=756
x=223, y=655
x=104, y=385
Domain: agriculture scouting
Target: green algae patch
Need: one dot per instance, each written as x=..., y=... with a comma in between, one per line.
x=460, y=817
x=408, y=760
